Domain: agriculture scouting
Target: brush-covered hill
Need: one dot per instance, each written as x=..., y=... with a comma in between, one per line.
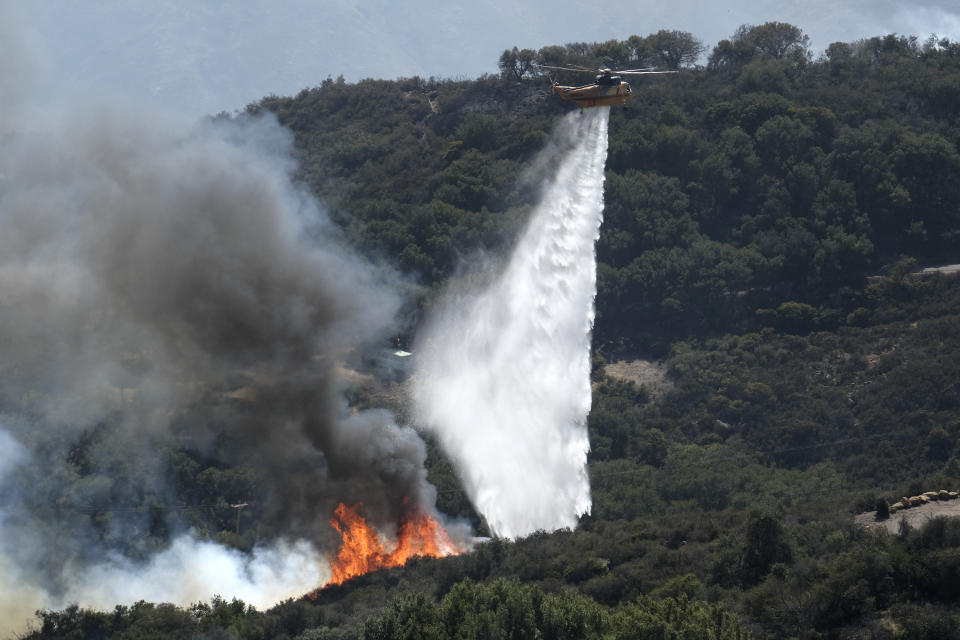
x=748, y=202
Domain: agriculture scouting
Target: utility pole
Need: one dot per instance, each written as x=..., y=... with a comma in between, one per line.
x=238, y=507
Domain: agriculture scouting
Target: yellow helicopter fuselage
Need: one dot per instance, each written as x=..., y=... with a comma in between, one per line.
x=596, y=94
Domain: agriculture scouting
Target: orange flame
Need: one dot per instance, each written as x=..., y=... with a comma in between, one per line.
x=363, y=549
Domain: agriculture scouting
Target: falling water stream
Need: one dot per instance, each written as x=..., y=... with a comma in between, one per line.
x=503, y=374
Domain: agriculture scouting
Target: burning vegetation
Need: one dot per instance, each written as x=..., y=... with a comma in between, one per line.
x=365, y=549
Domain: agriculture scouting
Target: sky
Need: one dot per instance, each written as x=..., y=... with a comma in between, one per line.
x=219, y=55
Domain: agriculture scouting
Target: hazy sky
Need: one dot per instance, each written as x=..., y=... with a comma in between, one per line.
x=201, y=57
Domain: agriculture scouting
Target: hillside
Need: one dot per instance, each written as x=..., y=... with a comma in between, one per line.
x=746, y=204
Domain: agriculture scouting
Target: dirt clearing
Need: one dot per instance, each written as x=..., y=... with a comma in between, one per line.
x=643, y=373
x=915, y=516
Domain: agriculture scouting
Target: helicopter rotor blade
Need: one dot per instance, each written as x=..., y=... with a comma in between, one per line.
x=643, y=73
x=574, y=68
x=579, y=69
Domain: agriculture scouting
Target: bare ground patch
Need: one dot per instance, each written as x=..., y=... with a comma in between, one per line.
x=643, y=373
x=915, y=516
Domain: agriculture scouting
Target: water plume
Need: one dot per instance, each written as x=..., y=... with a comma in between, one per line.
x=503, y=371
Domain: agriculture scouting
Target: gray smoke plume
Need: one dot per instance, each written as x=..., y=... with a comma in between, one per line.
x=165, y=291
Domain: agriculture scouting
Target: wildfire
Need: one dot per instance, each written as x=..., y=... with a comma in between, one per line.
x=364, y=550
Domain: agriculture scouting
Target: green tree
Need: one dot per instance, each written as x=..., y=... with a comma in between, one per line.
x=765, y=545
x=673, y=49
x=774, y=39
x=517, y=64
x=676, y=618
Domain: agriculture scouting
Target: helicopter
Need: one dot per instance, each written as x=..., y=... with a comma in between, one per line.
x=605, y=90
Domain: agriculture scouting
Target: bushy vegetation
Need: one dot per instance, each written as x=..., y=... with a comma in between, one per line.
x=746, y=204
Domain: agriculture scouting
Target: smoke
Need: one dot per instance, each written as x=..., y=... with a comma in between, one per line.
x=171, y=302
x=16, y=66
x=261, y=579
x=187, y=571
x=503, y=370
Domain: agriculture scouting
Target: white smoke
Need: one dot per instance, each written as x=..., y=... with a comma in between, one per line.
x=503, y=374
x=18, y=600
x=188, y=571
x=192, y=571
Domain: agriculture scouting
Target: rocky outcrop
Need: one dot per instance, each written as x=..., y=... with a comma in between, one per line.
x=923, y=498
